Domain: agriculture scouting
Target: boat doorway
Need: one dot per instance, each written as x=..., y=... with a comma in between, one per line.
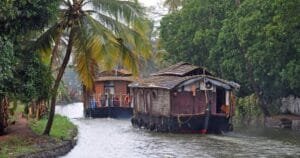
x=109, y=89
x=221, y=99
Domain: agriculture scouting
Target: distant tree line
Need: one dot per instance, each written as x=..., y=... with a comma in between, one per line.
x=253, y=42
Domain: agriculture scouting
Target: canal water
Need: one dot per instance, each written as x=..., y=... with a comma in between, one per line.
x=113, y=138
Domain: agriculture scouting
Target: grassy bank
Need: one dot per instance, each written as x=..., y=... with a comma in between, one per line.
x=15, y=145
x=62, y=128
x=30, y=139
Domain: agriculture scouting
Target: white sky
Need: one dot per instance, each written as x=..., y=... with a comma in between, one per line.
x=148, y=3
x=155, y=9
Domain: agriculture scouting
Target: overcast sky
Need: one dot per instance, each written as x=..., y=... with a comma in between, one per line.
x=155, y=9
x=150, y=2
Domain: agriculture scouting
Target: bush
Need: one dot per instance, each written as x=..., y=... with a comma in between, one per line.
x=247, y=111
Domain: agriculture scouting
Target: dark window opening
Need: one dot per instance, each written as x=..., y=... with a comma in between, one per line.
x=127, y=88
x=221, y=99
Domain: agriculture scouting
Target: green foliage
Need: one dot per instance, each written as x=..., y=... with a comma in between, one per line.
x=291, y=74
x=62, y=128
x=22, y=74
x=255, y=43
x=35, y=79
x=119, y=34
x=190, y=34
x=262, y=44
x=20, y=16
x=247, y=110
x=6, y=64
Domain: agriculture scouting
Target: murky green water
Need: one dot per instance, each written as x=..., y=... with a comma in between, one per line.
x=114, y=138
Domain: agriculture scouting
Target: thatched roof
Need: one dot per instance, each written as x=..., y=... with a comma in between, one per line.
x=170, y=82
x=116, y=78
x=180, y=74
x=115, y=72
x=182, y=69
x=115, y=75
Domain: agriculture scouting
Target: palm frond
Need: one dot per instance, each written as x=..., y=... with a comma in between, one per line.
x=45, y=42
x=125, y=10
x=83, y=59
x=137, y=35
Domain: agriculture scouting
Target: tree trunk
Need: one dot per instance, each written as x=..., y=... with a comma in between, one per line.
x=3, y=114
x=55, y=51
x=85, y=98
x=261, y=102
x=249, y=68
x=263, y=105
x=57, y=82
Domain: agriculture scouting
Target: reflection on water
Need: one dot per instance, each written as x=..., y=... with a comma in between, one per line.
x=117, y=138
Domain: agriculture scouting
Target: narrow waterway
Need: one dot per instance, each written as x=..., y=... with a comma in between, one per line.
x=112, y=138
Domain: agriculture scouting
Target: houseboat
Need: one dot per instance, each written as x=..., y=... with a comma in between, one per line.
x=183, y=98
x=111, y=96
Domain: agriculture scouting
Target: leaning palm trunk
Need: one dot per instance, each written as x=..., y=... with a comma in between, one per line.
x=57, y=82
x=55, y=51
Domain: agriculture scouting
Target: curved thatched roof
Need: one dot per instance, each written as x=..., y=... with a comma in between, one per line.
x=182, y=69
x=170, y=82
x=181, y=74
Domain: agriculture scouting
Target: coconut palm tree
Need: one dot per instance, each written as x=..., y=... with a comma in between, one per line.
x=99, y=32
x=173, y=5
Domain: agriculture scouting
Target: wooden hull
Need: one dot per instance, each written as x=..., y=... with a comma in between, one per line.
x=112, y=112
x=184, y=124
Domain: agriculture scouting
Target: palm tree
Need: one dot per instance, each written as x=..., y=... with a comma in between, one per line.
x=102, y=32
x=173, y=5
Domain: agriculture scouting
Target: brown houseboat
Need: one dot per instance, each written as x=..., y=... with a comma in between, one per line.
x=183, y=98
x=111, y=95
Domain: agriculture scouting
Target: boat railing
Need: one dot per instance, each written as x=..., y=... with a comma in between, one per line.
x=110, y=100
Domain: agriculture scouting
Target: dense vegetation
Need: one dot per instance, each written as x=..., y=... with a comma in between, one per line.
x=23, y=76
x=254, y=42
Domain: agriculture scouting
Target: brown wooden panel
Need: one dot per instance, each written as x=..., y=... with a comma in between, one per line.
x=186, y=103
x=182, y=102
x=160, y=102
x=200, y=103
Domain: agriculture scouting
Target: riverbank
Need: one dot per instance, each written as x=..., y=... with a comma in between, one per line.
x=283, y=121
x=24, y=138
